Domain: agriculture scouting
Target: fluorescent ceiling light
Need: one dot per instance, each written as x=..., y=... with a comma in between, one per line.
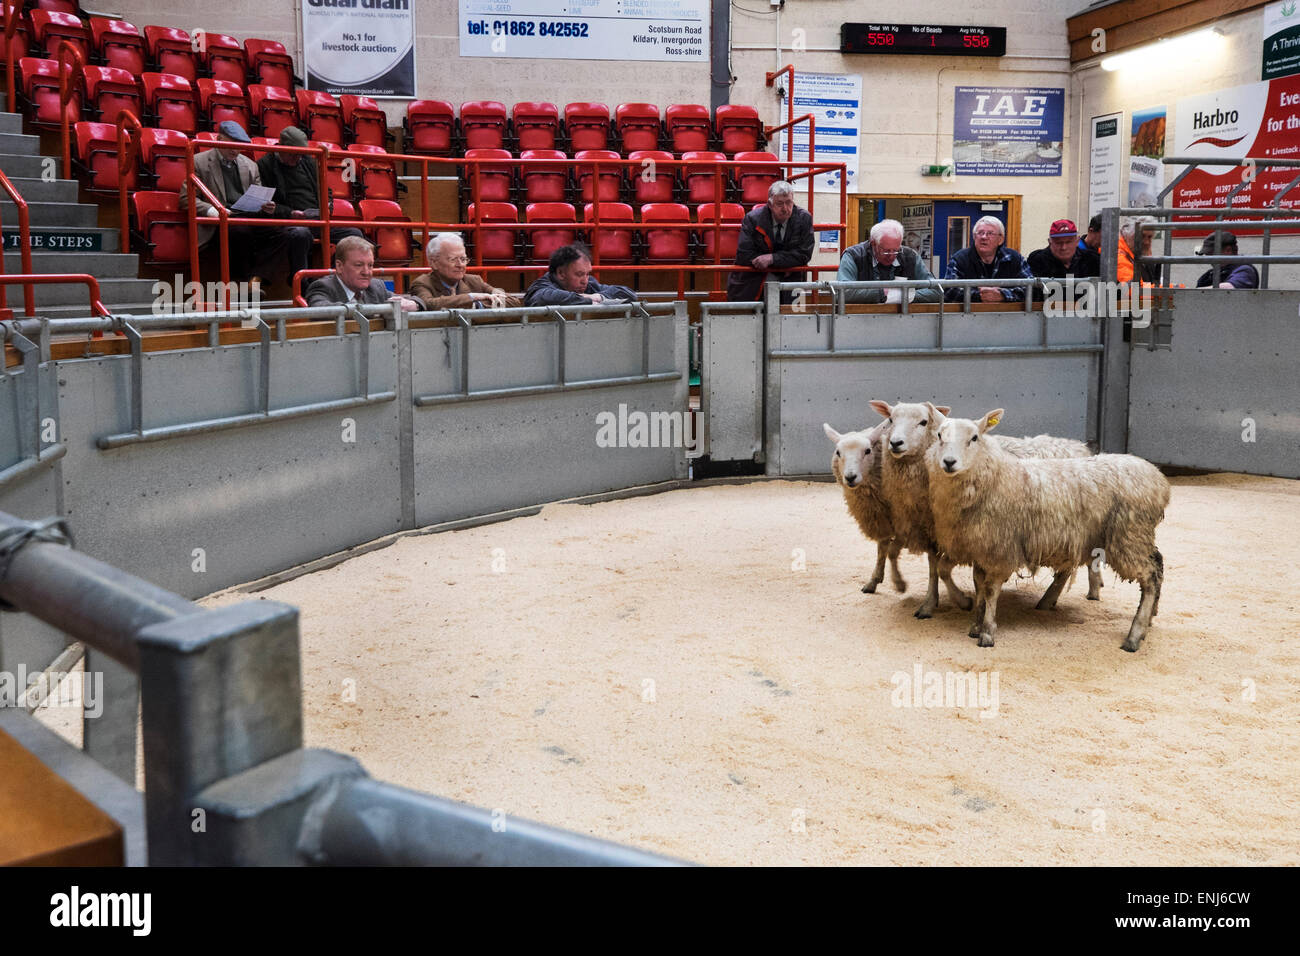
x=1165, y=53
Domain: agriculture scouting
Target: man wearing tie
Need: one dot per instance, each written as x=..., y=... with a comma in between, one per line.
x=778, y=237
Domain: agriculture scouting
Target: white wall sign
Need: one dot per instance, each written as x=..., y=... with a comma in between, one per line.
x=918, y=225
x=835, y=101
x=1281, y=40
x=364, y=47
x=1104, y=159
x=672, y=30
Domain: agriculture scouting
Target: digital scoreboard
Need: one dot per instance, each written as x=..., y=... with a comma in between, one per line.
x=922, y=39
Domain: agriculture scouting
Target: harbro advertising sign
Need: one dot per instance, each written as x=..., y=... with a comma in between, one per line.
x=364, y=47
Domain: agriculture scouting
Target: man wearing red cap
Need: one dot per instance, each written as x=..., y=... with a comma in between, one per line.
x=1054, y=261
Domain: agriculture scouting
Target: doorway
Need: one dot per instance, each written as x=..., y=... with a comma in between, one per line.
x=932, y=224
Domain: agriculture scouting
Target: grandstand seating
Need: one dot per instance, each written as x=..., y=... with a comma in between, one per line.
x=429, y=127
x=483, y=124
x=377, y=178
x=739, y=128
x=269, y=64
x=364, y=122
x=655, y=183
x=171, y=51
x=224, y=59
x=162, y=154
x=611, y=177
x=161, y=226
x=170, y=102
x=96, y=152
x=392, y=245
x=727, y=212
x=638, y=126
x=755, y=180
x=665, y=245
x=221, y=100
x=700, y=180
x=110, y=90
x=543, y=242
x=38, y=80
x=272, y=107
x=587, y=126
x=51, y=27
x=320, y=116
x=544, y=184
x=611, y=245
x=494, y=244
x=493, y=182
x=688, y=126
x=118, y=43
x=536, y=125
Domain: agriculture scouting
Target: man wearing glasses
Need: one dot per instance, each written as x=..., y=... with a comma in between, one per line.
x=881, y=258
x=988, y=258
x=447, y=286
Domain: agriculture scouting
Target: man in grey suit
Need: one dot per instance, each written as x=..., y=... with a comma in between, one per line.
x=353, y=281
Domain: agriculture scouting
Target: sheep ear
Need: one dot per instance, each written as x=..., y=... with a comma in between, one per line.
x=943, y=409
x=882, y=407
x=989, y=420
x=938, y=413
x=831, y=433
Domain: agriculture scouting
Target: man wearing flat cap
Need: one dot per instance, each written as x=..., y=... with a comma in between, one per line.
x=293, y=176
x=1242, y=276
x=227, y=173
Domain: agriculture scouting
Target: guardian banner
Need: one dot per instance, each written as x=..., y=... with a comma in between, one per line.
x=363, y=47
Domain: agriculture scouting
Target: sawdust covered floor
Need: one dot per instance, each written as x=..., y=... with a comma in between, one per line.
x=696, y=673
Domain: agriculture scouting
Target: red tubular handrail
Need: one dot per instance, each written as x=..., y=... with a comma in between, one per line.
x=65, y=97
x=55, y=278
x=789, y=99
x=25, y=246
x=128, y=144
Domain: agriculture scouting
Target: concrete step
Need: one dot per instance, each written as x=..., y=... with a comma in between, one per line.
x=99, y=264
x=10, y=122
x=20, y=143
x=51, y=214
x=109, y=239
x=42, y=190
x=111, y=291
x=31, y=167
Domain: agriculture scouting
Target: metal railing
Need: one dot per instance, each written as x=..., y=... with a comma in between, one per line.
x=58, y=278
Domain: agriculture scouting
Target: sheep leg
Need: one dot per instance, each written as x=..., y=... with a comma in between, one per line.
x=978, y=616
x=932, y=593
x=1094, y=583
x=989, y=625
x=879, y=574
x=1147, y=605
x=955, y=594
x=897, y=576
x=1048, y=600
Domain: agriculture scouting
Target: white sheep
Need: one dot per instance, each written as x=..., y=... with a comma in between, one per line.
x=905, y=482
x=856, y=466
x=1001, y=513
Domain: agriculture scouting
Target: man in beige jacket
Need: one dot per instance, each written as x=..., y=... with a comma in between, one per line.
x=448, y=287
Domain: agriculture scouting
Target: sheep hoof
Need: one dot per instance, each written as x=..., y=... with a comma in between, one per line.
x=1093, y=596
x=1131, y=645
x=924, y=612
x=974, y=631
x=986, y=639
x=869, y=587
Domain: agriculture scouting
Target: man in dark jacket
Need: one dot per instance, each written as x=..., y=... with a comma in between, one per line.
x=1243, y=276
x=294, y=178
x=1086, y=263
x=881, y=258
x=568, y=281
x=777, y=236
x=988, y=258
x=353, y=279
x=1054, y=261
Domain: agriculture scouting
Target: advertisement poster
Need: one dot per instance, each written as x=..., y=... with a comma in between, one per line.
x=674, y=31
x=835, y=101
x=1008, y=132
x=1281, y=40
x=918, y=227
x=1146, y=174
x=1104, y=158
x=363, y=50
x=1259, y=120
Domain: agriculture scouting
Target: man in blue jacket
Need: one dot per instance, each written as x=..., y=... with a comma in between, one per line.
x=1243, y=276
x=988, y=258
x=568, y=281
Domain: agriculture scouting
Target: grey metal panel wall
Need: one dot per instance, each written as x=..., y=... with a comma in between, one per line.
x=1047, y=392
x=255, y=499
x=1233, y=356
x=480, y=456
x=731, y=380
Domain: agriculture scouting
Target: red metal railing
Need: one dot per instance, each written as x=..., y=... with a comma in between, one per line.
x=56, y=278
x=128, y=146
x=24, y=245
x=70, y=57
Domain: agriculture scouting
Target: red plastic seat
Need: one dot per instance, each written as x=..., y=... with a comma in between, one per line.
x=110, y=90
x=261, y=141
x=688, y=126
x=495, y=243
x=587, y=125
x=97, y=156
x=171, y=101
x=52, y=27
x=269, y=63
x=224, y=59
x=162, y=154
x=700, y=182
x=610, y=243
x=161, y=223
x=483, y=124
x=493, y=182
x=611, y=177
x=342, y=209
x=740, y=128
x=637, y=125
x=20, y=42
x=537, y=125
x=727, y=212
x=428, y=127
x=60, y=6
x=363, y=121
x=172, y=51
x=378, y=177
x=544, y=184
x=652, y=181
x=39, y=82
x=321, y=116
x=118, y=43
x=222, y=100
x=392, y=245
x=273, y=108
x=205, y=141
x=545, y=241
x=341, y=178
x=666, y=245
x=755, y=180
